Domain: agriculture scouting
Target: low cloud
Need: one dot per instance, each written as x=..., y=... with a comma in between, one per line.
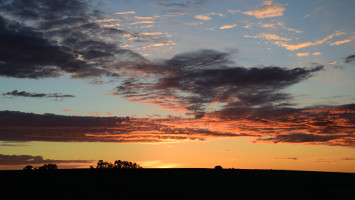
x=16, y=93
x=192, y=81
x=350, y=59
x=266, y=10
x=33, y=160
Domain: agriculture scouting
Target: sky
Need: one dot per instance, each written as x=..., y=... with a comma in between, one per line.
x=247, y=84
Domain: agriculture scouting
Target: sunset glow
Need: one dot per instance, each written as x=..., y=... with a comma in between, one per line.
x=178, y=84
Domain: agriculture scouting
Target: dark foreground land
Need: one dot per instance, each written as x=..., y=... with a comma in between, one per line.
x=176, y=184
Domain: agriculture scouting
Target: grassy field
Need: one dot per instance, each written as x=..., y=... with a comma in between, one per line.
x=177, y=184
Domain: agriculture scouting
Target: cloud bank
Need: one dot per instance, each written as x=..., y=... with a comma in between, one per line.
x=33, y=160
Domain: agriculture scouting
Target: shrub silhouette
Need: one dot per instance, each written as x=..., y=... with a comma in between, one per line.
x=48, y=167
x=218, y=167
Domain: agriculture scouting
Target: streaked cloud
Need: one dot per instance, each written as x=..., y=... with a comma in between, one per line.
x=269, y=37
x=266, y=10
x=151, y=33
x=16, y=93
x=350, y=59
x=317, y=53
x=301, y=45
x=124, y=13
x=142, y=22
x=227, y=26
x=104, y=20
x=340, y=42
x=147, y=18
x=33, y=160
x=278, y=25
x=231, y=11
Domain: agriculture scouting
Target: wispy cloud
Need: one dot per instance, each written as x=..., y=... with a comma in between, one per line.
x=267, y=9
x=301, y=45
x=269, y=37
x=278, y=25
x=231, y=11
x=142, y=22
x=104, y=20
x=16, y=93
x=227, y=26
x=147, y=18
x=341, y=42
x=124, y=13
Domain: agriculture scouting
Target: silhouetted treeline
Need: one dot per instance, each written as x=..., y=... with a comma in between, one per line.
x=118, y=164
x=44, y=168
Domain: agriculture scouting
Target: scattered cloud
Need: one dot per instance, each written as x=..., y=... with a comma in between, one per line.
x=269, y=37
x=203, y=17
x=317, y=53
x=228, y=26
x=278, y=25
x=266, y=10
x=33, y=160
x=16, y=93
x=303, y=54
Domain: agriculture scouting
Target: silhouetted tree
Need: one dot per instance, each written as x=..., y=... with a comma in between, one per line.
x=48, y=167
x=28, y=168
x=218, y=167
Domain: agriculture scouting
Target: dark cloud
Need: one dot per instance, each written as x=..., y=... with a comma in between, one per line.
x=333, y=126
x=194, y=80
x=350, y=59
x=46, y=38
x=32, y=160
x=181, y=4
x=16, y=93
x=19, y=126
x=286, y=158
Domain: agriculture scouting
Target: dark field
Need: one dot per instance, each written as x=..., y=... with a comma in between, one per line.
x=177, y=184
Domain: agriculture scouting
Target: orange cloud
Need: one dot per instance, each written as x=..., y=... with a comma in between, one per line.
x=269, y=37
x=301, y=45
x=302, y=54
x=203, y=17
x=228, y=26
x=123, y=13
x=267, y=9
